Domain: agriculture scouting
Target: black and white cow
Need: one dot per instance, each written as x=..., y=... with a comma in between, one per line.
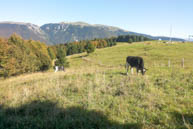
x=137, y=62
x=59, y=68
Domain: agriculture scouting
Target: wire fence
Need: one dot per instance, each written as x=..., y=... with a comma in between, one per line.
x=172, y=63
x=169, y=64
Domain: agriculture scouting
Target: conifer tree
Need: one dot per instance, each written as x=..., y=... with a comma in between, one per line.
x=89, y=48
x=61, y=58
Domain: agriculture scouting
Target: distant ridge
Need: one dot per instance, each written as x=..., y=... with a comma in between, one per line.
x=26, y=30
x=63, y=32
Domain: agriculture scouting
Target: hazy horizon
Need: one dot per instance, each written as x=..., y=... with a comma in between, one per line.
x=149, y=17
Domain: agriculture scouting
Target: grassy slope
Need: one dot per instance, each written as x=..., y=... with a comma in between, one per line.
x=95, y=92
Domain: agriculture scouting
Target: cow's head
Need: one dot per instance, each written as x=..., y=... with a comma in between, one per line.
x=144, y=70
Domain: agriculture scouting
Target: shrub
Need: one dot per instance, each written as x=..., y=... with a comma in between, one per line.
x=90, y=48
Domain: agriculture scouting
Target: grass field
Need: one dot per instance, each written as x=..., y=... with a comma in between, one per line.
x=95, y=93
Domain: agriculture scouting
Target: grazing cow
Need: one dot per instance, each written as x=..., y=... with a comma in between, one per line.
x=59, y=68
x=137, y=62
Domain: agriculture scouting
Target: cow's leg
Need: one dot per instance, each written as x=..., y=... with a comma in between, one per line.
x=56, y=68
x=142, y=71
x=137, y=70
x=131, y=70
x=127, y=67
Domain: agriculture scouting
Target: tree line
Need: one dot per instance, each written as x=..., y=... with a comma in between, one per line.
x=132, y=38
x=86, y=45
x=19, y=56
x=90, y=45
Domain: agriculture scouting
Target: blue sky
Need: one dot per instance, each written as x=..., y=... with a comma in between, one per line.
x=144, y=16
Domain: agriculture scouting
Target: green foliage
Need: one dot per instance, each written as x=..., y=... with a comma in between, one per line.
x=72, y=48
x=90, y=47
x=131, y=38
x=51, y=53
x=61, y=58
x=19, y=56
x=141, y=39
x=79, y=47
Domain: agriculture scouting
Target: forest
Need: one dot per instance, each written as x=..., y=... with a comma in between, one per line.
x=132, y=38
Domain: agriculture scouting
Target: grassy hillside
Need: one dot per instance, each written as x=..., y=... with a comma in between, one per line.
x=95, y=92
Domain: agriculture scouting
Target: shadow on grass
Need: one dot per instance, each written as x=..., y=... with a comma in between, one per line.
x=47, y=115
x=122, y=73
x=81, y=56
x=183, y=121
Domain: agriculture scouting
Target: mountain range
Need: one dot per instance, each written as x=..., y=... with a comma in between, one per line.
x=55, y=33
